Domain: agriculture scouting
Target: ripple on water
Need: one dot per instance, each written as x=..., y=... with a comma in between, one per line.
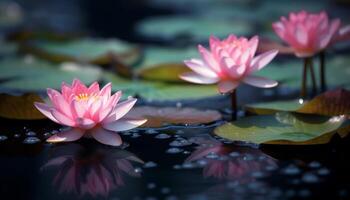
x=31, y=133
x=174, y=150
x=150, y=164
x=291, y=170
x=180, y=143
x=162, y=136
x=31, y=140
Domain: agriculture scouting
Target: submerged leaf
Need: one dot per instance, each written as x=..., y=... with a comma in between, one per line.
x=20, y=107
x=160, y=116
x=330, y=103
x=285, y=128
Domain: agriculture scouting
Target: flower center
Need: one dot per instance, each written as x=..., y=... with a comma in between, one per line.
x=86, y=97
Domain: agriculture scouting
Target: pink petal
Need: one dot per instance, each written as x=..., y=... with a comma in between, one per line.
x=227, y=86
x=301, y=34
x=326, y=39
x=122, y=108
x=106, y=137
x=45, y=110
x=199, y=67
x=94, y=88
x=70, y=135
x=260, y=82
x=85, y=123
x=209, y=59
x=196, y=78
x=106, y=90
x=51, y=93
x=262, y=60
x=62, y=118
x=124, y=124
x=253, y=44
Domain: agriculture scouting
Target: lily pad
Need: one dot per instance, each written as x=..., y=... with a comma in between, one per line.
x=160, y=116
x=94, y=51
x=189, y=27
x=285, y=128
x=330, y=103
x=20, y=107
x=160, y=91
x=29, y=74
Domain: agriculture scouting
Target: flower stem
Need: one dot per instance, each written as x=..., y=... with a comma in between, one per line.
x=303, y=91
x=234, y=104
x=323, y=72
x=313, y=77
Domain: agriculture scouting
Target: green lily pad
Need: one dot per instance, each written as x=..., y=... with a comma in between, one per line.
x=29, y=74
x=285, y=128
x=290, y=73
x=266, y=108
x=95, y=51
x=197, y=29
x=160, y=91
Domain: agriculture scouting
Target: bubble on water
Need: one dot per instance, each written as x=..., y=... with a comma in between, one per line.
x=165, y=190
x=151, y=186
x=234, y=154
x=151, y=131
x=314, y=164
x=31, y=133
x=223, y=158
x=17, y=135
x=180, y=143
x=258, y=174
x=323, y=171
x=291, y=170
x=248, y=157
x=304, y=193
x=162, y=136
x=186, y=152
x=174, y=150
x=150, y=164
x=138, y=170
x=3, y=138
x=310, y=178
x=47, y=134
x=188, y=165
x=202, y=162
x=178, y=104
x=31, y=140
x=212, y=155
x=271, y=167
x=177, y=167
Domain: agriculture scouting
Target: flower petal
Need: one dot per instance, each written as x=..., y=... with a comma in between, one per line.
x=262, y=60
x=106, y=90
x=106, y=137
x=124, y=124
x=85, y=123
x=62, y=118
x=122, y=108
x=45, y=110
x=70, y=135
x=260, y=82
x=199, y=67
x=196, y=78
x=227, y=86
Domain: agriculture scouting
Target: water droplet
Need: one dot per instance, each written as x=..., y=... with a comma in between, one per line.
x=186, y=152
x=30, y=133
x=314, y=164
x=31, y=140
x=202, y=162
x=291, y=170
x=234, y=154
x=323, y=171
x=135, y=135
x=248, y=157
x=163, y=136
x=180, y=143
x=47, y=134
x=165, y=190
x=212, y=155
x=174, y=150
x=138, y=170
x=310, y=178
x=151, y=131
x=17, y=135
x=151, y=186
x=188, y=165
x=178, y=104
x=3, y=138
x=150, y=164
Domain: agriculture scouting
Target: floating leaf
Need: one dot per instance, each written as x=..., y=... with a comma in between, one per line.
x=169, y=72
x=94, y=51
x=187, y=27
x=284, y=128
x=330, y=103
x=159, y=116
x=20, y=107
x=29, y=74
x=160, y=91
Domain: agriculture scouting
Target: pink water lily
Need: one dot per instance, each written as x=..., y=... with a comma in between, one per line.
x=90, y=112
x=309, y=33
x=228, y=63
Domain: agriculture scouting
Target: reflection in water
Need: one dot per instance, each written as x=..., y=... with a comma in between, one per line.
x=90, y=171
x=232, y=163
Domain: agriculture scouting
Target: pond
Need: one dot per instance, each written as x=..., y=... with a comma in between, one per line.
x=280, y=147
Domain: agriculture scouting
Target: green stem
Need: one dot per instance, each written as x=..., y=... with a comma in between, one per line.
x=234, y=105
x=323, y=72
x=303, y=91
x=313, y=77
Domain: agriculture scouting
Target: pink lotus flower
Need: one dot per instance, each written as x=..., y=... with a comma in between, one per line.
x=228, y=63
x=90, y=111
x=309, y=33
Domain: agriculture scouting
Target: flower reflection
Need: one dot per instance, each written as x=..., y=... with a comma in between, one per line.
x=93, y=172
x=229, y=163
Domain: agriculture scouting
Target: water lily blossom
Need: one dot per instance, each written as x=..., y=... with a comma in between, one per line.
x=229, y=63
x=90, y=112
x=308, y=33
